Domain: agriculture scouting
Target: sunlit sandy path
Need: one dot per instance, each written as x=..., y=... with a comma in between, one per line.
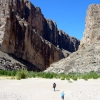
x=41, y=89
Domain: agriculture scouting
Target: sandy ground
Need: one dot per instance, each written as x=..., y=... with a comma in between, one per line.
x=41, y=89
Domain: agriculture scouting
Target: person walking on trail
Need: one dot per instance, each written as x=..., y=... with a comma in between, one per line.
x=62, y=95
x=54, y=86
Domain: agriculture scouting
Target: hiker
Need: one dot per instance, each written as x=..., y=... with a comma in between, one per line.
x=54, y=86
x=62, y=95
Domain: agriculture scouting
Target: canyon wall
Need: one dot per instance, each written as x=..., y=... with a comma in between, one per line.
x=25, y=33
x=87, y=57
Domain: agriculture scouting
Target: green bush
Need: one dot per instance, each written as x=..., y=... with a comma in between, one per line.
x=3, y=72
x=90, y=75
x=75, y=78
x=62, y=78
x=47, y=75
x=7, y=73
x=22, y=74
x=67, y=77
x=94, y=75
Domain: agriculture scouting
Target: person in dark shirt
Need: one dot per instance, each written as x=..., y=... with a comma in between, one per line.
x=54, y=86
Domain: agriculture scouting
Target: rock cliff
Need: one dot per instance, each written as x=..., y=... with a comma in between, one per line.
x=87, y=57
x=92, y=30
x=59, y=38
x=25, y=33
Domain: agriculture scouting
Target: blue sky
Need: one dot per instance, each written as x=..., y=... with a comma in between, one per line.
x=68, y=14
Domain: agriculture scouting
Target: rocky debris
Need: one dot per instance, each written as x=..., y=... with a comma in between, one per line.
x=87, y=57
x=8, y=63
x=66, y=53
x=81, y=61
x=11, y=62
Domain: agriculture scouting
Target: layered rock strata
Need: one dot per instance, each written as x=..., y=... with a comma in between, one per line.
x=87, y=57
x=25, y=33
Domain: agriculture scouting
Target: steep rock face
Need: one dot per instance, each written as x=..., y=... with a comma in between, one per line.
x=50, y=31
x=27, y=44
x=21, y=39
x=92, y=30
x=66, y=42
x=59, y=38
x=87, y=57
x=25, y=33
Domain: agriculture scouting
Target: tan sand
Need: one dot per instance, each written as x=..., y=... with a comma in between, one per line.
x=41, y=89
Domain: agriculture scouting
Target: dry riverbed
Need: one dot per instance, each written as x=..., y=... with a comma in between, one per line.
x=41, y=89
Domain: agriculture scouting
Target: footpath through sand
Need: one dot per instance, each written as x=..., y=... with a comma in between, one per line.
x=41, y=89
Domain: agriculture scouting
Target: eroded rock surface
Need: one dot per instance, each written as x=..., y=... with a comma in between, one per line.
x=87, y=57
x=25, y=33
x=92, y=30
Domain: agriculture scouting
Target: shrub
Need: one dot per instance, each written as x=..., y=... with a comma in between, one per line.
x=67, y=77
x=85, y=76
x=62, y=78
x=22, y=74
x=75, y=78
x=7, y=73
x=48, y=75
x=94, y=75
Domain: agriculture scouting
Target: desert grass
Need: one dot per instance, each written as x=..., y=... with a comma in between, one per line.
x=23, y=74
